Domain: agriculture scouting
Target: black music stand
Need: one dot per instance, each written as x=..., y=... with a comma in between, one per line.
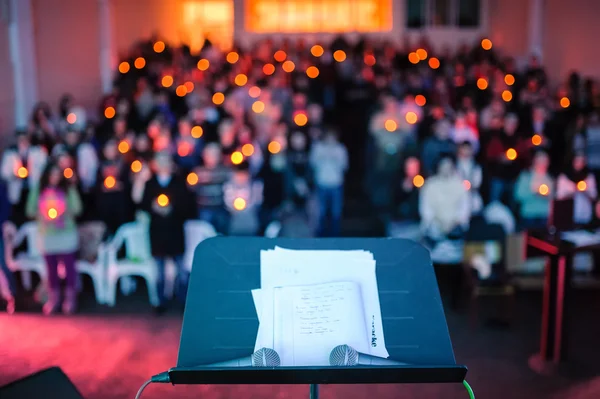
x=220, y=321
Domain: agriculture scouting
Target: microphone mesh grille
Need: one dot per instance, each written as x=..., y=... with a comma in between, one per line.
x=343, y=355
x=265, y=357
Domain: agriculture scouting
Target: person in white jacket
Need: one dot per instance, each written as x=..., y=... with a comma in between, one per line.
x=578, y=182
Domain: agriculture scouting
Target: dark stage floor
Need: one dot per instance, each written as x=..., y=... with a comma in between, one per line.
x=108, y=353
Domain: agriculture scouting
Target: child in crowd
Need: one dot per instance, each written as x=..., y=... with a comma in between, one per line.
x=533, y=191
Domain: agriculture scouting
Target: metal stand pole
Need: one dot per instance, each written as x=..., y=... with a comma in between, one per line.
x=314, y=391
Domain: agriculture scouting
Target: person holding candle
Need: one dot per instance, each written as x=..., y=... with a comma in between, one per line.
x=579, y=183
x=243, y=198
x=55, y=205
x=534, y=190
x=407, y=196
x=471, y=173
x=437, y=145
x=169, y=204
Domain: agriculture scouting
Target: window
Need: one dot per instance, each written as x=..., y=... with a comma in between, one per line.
x=212, y=19
x=304, y=16
x=440, y=13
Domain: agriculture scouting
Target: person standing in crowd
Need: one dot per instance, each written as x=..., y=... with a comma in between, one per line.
x=56, y=204
x=579, y=183
x=243, y=198
x=8, y=286
x=533, y=191
x=329, y=160
x=472, y=175
x=168, y=202
x=212, y=175
x=434, y=147
x=407, y=197
x=444, y=203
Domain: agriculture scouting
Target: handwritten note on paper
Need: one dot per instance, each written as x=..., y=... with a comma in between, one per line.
x=314, y=319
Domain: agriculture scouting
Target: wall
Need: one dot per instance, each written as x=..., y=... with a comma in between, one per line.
x=67, y=50
x=571, y=33
x=7, y=97
x=509, y=26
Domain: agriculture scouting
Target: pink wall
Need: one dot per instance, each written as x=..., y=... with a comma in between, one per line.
x=67, y=50
x=571, y=32
x=7, y=102
x=509, y=27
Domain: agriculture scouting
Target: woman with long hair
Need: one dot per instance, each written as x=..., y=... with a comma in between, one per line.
x=55, y=204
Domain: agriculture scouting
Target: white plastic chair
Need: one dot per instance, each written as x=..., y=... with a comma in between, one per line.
x=24, y=262
x=139, y=261
x=195, y=232
x=97, y=272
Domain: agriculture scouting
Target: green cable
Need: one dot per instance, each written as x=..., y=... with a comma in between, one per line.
x=469, y=389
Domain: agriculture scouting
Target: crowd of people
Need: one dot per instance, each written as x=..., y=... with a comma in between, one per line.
x=245, y=137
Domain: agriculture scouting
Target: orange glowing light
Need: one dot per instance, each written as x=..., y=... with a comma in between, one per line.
x=203, y=64
x=232, y=57
x=247, y=150
x=22, y=172
x=543, y=190
x=422, y=54
x=370, y=60
x=237, y=158
x=391, y=125
x=239, y=204
x=317, y=50
x=254, y=92
x=482, y=83
x=218, y=98
x=71, y=118
x=288, y=66
x=300, y=119
x=274, y=147
x=139, y=62
x=269, y=69
x=339, y=56
x=162, y=200
x=258, y=107
x=486, y=44
x=181, y=91
x=110, y=112
x=467, y=184
x=413, y=58
x=536, y=139
x=565, y=102
x=280, y=56
x=123, y=147
x=241, y=79
x=509, y=79
x=189, y=86
x=418, y=181
x=52, y=213
x=411, y=118
x=420, y=100
x=124, y=67
x=197, y=132
x=511, y=154
x=159, y=46
x=136, y=166
x=312, y=72
x=68, y=173
x=167, y=81
x=434, y=63
x=507, y=96
x=110, y=182
x=192, y=179
x=582, y=186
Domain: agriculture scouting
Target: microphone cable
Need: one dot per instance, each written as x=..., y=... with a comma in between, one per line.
x=469, y=389
x=161, y=378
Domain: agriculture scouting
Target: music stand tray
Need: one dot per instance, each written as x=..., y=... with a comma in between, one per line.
x=220, y=321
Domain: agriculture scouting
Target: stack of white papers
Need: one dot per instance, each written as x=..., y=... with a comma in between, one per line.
x=312, y=301
x=581, y=237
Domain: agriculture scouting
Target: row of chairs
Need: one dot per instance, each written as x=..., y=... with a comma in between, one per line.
x=107, y=268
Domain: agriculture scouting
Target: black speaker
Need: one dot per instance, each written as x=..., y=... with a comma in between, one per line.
x=50, y=383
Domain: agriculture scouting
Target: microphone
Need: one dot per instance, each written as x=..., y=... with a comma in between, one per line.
x=345, y=355
x=264, y=357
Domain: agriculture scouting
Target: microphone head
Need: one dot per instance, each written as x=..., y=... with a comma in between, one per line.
x=265, y=357
x=343, y=355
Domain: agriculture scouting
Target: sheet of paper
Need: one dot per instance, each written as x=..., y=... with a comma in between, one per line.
x=283, y=267
x=312, y=320
x=581, y=237
x=265, y=335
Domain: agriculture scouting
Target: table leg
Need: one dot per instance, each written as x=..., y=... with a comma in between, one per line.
x=314, y=391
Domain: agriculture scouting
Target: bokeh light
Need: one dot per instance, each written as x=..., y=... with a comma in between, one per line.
x=422, y=54
x=280, y=56
x=565, y=102
x=71, y=118
x=420, y=100
x=317, y=50
x=239, y=204
x=511, y=154
x=582, y=186
x=68, y=173
x=536, y=139
x=467, y=184
x=411, y=118
x=203, y=64
x=486, y=44
x=413, y=58
x=434, y=63
x=192, y=179
x=162, y=200
x=269, y=69
x=254, y=91
x=167, y=81
x=543, y=190
x=237, y=158
x=370, y=60
x=391, y=125
x=189, y=86
x=509, y=79
x=110, y=182
x=181, y=91
x=507, y=95
x=124, y=67
x=197, y=132
x=339, y=56
x=258, y=107
x=123, y=147
x=52, y=213
x=110, y=112
x=312, y=72
x=274, y=147
x=232, y=57
x=136, y=166
x=218, y=98
x=300, y=119
x=482, y=83
x=159, y=46
x=139, y=62
x=247, y=150
x=22, y=172
x=241, y=79
x=288, y=66
x=418, y=181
